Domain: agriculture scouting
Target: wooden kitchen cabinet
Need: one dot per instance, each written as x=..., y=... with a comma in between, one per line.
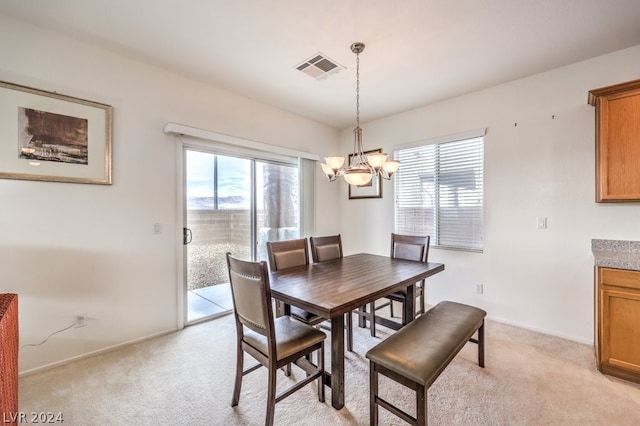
x=618, y=323
x=617, y=141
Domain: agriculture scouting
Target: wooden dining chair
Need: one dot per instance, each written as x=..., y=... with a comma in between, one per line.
x=288, y=254
x=274, y=343
x=407, y=247
x=330, y=248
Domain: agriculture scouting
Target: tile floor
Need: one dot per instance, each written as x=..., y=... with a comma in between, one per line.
x=209, y=302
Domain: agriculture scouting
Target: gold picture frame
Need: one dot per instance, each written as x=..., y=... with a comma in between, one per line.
x=46, y=136
x=371, y=190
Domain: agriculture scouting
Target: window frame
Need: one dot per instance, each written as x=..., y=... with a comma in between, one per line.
x=476, y=242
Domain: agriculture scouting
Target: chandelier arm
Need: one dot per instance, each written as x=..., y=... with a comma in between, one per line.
x=355, y=155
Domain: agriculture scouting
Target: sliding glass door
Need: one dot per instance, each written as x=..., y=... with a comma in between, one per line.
x=232, y=204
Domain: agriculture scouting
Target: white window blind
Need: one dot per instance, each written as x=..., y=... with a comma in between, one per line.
x=439, y=192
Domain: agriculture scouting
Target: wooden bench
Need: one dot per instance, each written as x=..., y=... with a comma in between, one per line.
x=417, y=354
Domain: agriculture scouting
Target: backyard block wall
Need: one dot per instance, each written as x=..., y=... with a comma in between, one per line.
x=220, y=226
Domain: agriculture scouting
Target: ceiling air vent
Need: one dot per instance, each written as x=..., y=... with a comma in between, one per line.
x=319, y=66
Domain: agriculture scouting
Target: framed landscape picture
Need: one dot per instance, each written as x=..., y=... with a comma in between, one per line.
x=51, y=137
x=373, y=189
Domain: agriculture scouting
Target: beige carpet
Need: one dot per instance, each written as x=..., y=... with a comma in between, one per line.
x=187, y=378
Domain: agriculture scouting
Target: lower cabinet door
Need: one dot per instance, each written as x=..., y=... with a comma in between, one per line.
x=620, y=328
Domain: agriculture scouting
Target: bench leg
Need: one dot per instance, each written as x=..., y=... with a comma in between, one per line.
x=421, y=406
x=481, y=345
x=373, y=394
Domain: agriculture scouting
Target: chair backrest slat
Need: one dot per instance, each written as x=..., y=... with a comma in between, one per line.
x=289, y=259
x=287, y=254
x=326, y=248
x=410, y=247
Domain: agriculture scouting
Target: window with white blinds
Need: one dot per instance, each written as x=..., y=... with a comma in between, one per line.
x=439, y=191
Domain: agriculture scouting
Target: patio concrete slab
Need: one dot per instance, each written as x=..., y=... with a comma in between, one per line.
x=208, y=302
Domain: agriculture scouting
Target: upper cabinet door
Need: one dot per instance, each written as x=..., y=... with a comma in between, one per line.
x=617, y=142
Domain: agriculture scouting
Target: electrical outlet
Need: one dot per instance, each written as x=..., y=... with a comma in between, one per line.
x=81, y=320
x=479, y=288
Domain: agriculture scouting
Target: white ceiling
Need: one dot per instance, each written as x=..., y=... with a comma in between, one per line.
x=417, y=51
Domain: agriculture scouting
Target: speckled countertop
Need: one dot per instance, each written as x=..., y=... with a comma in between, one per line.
x=616, y=254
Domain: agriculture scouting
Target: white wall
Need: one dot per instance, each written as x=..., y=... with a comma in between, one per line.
x=538, y=279
x=71, y=248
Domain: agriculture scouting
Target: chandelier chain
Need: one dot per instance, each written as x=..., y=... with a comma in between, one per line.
x=357, y=89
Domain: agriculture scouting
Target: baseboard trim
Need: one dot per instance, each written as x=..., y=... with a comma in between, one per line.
x=530, y=328
x=541, y=331
x=96, y=352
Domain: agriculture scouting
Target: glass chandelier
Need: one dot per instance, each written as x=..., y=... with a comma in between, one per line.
x=361, y=168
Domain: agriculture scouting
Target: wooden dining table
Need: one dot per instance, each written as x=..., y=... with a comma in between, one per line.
x=332, y=288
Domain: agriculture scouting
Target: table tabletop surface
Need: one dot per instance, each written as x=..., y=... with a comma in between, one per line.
x=334, y=287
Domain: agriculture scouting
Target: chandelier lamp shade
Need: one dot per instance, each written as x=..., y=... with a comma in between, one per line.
x=361, y=167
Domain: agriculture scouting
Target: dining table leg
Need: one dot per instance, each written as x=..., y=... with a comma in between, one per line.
x=337, y=361
x=409, y=311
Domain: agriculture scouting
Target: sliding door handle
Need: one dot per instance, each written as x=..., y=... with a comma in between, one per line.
x=187, y=236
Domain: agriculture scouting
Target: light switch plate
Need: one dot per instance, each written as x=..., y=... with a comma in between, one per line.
x=542, y=223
